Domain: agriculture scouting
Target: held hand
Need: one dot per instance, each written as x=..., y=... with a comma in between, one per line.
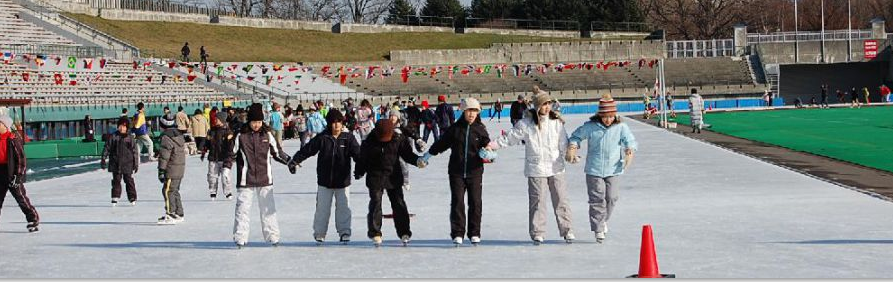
x=492, y=146
x=571, y=155
x=421, y=163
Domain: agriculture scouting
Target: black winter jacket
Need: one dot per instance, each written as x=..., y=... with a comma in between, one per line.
x=380, y=162
x=219, y=146
x=122, y=154
x=333, y=164
x=464, y=142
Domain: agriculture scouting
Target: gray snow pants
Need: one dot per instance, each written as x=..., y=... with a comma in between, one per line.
x=537, y=192
x=602, y=196
x=324, y=210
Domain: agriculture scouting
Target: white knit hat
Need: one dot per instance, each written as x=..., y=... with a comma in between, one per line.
x=470, y=103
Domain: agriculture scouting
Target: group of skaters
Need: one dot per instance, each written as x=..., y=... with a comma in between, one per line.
x=857, y=97
x=355, y=143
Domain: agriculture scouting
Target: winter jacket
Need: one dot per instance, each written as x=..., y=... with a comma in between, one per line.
x=316, y=123
x=172, y=156
x=697, y=109
x=16, y=163
x=139, y=124
x=429, y=117
x=333, y=164
x=199, y=126
x=517, y=110
x=604, y=156
x=464, y=141
x=365, y=118
x=276, y=120
x=444, y=115
x=219, y=146
x=122, y=152
x=545, y=144
x=255, y=152
x=300, y=122
x=183, y=122
x=380, y=162
x=413, y=116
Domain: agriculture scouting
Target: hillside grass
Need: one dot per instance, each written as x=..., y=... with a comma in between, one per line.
x=244, y=44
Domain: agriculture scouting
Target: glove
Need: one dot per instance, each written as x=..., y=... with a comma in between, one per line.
x=14, y=182
x=293, y=167
x=487, y=155
x=202, y=157
x=425, y=157
x=136, y=168
x=571, y=155
x=103, y=165
x=420, y=145
x=357, y=176
x=162, y=175
x=421, y=162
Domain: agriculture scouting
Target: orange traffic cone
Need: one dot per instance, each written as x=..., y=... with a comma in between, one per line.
x=648, y=258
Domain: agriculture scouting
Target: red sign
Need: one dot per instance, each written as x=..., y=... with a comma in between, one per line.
x=870, y=49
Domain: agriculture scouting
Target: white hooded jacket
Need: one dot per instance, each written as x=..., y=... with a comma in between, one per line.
x=545, y=145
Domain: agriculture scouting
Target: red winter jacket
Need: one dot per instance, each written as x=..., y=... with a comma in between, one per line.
x=12, y=154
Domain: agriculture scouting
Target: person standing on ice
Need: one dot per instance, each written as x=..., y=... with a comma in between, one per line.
x=219, y=149
x=171, y=169
x=365, y=117
x=379, y=158
x=254, y=148
x=13, y=166
x=611, y=147
x=696, y=115
x=397, y=118
x=466, y=140
x=335, y=147
x=124, y=160
x=545, y=139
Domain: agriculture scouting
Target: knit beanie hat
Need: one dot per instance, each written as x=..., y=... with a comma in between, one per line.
x=222, y=116
x=256, y=112
x=425, y=104
x=124, y=121
x=168, y=121
x=441, y=98
x=470, y=103
x=394, y=113
x=385, y=130
x=540, y=97
x=334, y=116
x=607, y=106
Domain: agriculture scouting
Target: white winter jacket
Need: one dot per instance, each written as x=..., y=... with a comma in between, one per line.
x=544, y=145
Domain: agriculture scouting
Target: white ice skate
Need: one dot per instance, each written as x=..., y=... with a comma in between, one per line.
x=345, y=238
x=376, y=241
x=599, y=237
x=475, y=240
x=538, y=240
x=457, y=241
x=319, y=240
x=405, y=240
x=166, y=220
x=114, y=202
x=179, y=219
x=569, y=238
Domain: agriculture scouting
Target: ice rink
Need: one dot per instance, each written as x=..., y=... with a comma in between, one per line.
x=715, y=213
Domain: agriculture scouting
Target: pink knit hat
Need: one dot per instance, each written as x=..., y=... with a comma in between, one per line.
x=607, y=106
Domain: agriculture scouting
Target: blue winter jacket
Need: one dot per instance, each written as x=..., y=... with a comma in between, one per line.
x=316, y=123
x=604, y=156
x=276, y=121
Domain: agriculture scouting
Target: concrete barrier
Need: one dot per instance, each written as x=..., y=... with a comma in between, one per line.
x=525, y=32
x=275, y=23
x=375, y=28
x=536, y=52
x=134, y=15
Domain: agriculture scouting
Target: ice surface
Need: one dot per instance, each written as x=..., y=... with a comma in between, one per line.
x=715, y=214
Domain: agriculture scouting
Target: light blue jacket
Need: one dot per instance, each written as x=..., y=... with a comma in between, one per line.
x=316, y=123
x=604, y=156
x=276, y=120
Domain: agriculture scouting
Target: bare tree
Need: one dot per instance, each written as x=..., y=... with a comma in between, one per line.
x=367, y=11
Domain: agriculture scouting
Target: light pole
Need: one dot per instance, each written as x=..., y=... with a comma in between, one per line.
x=823, y=31
x=849, y=33
x=796, y=34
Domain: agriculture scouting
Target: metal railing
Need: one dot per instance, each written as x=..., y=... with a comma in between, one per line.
x=148, y=5
x=521, y=24
x=620, y=26
x=701, y=48
x=61, y=50
x=420, y=21
x=119, y=47
x=830, y=35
